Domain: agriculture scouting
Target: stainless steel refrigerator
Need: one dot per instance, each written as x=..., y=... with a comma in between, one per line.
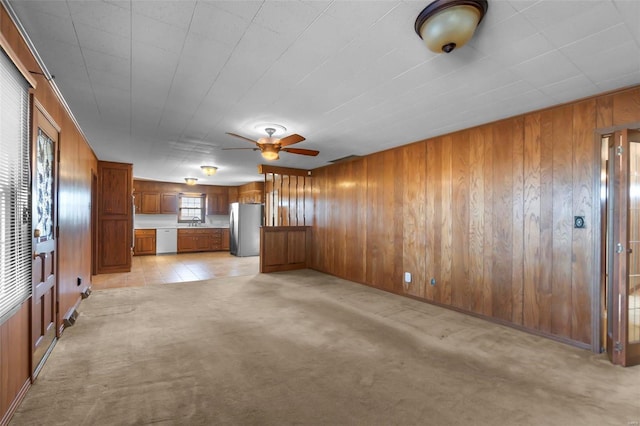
x=245, y=221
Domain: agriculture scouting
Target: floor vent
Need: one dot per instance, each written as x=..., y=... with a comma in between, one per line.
x=71, y=319
x=86, y=293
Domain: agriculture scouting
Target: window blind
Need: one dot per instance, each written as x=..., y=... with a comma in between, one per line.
x=15, y=196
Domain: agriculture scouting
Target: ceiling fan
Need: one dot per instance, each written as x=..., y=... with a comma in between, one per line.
x=270, y=147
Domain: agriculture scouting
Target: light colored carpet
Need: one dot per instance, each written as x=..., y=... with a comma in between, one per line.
x=307, y=348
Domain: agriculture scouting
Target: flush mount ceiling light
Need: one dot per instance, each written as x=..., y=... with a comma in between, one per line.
x=209, y=170
x=191, y=181
x=445, y=25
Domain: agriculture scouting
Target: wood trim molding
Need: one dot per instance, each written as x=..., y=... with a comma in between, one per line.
x=4, y=43
x=43, y=111
x=265, y=168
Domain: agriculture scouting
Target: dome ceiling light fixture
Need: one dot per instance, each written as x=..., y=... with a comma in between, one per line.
x=191, y=181
x=269, y=150
x=209, y=170
x=445, y=25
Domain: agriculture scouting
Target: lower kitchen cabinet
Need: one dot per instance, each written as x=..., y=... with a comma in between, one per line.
x=225, y=239
x=204, y=239
x=145, y=242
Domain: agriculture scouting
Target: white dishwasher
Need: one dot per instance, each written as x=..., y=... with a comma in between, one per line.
x=166, y=240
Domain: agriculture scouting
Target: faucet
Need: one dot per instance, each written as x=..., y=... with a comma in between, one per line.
x=194, y=221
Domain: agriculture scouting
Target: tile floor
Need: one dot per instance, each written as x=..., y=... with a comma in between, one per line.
x=172, y=268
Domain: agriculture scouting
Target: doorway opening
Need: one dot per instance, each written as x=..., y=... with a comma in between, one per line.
x=620, y=242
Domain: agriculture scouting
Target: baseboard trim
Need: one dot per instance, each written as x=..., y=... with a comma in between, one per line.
x=15, y=403
x=565, y=340
x=44, y=359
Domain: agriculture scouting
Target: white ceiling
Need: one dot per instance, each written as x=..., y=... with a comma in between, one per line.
x=158, y=83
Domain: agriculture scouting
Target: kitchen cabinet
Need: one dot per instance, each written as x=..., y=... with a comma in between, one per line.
x=217, y=204
x=115, y=189
x=153, y=202
x=186, y=241
x=251, y=193
x=137, y=201
x=169, y=203
x=204, y=239
x=145, y=242
x=150, y=202
x=163, y=197
x=192, y=240
x=216, y=239
x=225, y=239
x=115, y=218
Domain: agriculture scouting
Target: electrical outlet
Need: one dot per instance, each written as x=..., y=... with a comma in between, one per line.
x=407, y=277
x=433, y=281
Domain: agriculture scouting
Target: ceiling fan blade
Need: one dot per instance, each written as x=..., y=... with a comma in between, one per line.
x=310, y=152
x=291, y=139
x=242, y=137
x=229, y=149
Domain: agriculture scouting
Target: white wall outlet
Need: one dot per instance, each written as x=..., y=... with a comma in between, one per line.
x=407, y=277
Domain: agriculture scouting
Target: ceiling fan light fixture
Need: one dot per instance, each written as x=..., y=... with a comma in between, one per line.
x=270, y=152
x=270, y=140
x=278, y=128
x=209, y=170
x=445, y=25
x=191, y=181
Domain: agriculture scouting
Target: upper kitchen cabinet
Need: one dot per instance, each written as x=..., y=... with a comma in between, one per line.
x=251, y=193
x=115, y=218
x=153, y=197
x=218, y=203
x=150, y=202
x=153, y=202
x=137, y=201
x=168, y=203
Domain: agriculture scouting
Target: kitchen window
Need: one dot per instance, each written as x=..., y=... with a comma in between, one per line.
x=191, y=208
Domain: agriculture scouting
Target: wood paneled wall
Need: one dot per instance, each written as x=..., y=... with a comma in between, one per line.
x=77, y=161
x=486, y=214
x=14, y=361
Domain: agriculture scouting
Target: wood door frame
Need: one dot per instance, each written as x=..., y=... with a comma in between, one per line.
x=597, y=343
x=94, y=221
x=37, y=108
